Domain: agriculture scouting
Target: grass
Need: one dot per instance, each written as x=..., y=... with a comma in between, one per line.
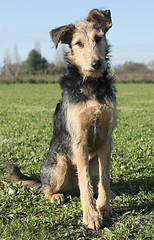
x=26, y=112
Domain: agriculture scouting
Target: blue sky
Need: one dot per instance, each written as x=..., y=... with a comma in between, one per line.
x=25, y=22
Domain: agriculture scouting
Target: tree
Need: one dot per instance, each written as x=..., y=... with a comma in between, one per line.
x=44, y=64
x=131, y=67
x=12, y=69
x=151, y=65
x=7, y=63
x=59, y=62
x=16, y=61
x=37, y=46
x=33, y=62
x=134, y=67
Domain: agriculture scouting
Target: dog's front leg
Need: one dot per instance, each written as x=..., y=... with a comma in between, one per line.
x=90, y=216
x=103, y=200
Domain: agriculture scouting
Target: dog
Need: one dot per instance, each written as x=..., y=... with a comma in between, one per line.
x=79, y=156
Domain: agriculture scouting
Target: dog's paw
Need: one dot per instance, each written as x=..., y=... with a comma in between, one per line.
x=57, y=196
x=92, y=220
x=105, y=211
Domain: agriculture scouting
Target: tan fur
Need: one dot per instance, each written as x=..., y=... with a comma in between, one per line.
x=102, y=117
x=61, y=180
x=84, y=56
x=89, y=122
x=83, y=116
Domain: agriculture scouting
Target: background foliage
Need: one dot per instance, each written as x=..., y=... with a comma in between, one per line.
x=35, y=62
x=36, y=69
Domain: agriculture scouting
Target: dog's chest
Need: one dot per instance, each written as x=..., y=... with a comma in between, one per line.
x=92, y=122
x=100, y=123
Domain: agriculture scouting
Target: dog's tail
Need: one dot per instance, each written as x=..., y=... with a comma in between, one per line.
x=16, y=176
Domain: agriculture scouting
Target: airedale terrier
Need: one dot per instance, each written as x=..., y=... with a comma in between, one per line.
x=81, y=145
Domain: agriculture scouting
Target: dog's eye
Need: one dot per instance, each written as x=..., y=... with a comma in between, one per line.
x=97, y=39
x=79, y=44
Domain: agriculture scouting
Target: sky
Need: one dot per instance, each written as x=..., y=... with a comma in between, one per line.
x=24, y=24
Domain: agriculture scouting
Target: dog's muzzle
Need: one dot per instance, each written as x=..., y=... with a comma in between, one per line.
x=96, y=64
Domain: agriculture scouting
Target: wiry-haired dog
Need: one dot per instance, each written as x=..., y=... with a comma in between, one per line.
x=80, y=148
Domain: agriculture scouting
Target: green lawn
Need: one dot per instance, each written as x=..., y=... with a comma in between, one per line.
x=26, y=112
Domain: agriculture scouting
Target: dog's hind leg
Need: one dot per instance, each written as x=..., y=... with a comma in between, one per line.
x=55, y=177
x=94, y=176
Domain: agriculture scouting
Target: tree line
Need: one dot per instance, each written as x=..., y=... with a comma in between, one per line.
x=34, y=65
x=134, y=72
x=37, y=67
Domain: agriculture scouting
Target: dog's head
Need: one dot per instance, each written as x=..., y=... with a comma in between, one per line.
x=87, y=42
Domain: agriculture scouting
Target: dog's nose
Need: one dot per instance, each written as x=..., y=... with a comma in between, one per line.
x=96, y=64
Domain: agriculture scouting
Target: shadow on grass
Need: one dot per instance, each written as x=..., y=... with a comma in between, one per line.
x=133, y=186
x=128, y=195
x=132, y=198
x=133, y=195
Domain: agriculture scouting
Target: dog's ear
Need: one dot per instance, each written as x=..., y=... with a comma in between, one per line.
x=62, y=34
x=102, y=18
